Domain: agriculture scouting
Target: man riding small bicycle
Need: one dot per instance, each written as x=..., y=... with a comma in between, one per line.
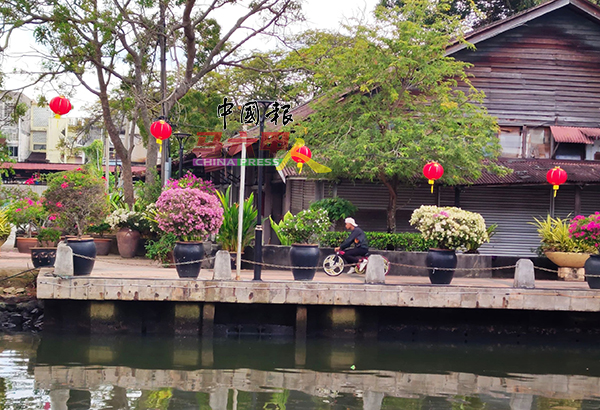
x=361, y=246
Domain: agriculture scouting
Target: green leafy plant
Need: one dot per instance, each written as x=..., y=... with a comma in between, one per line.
x=401, y=241
x=277, y=228
x=555, y=236
x=159, y=249
x=337, y=208
x=48, y=236
x=307, y=226
x=99, y=228
x=5, y=225
x=228, y=232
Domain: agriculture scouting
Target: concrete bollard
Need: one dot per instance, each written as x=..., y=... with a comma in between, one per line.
x=222, y=266
x=524, y=274
x=64, y=260
x=375, y=270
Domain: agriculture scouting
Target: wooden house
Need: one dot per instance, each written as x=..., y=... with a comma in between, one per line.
x=540, y=71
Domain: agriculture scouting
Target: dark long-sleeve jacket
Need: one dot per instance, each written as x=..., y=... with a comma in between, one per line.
x=357, y=237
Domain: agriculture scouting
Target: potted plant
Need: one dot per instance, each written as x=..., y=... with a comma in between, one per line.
x=558, y=244
x=192, y=215
x=128, y=235
x=585, y=231
x=277, y=228
x=5, y=226
x=450, y=228
x=45, y=253
x=161, y=249
x=304, y=231
x=78, y=199
x=27, y=214
x=228, y=232
x=97, y=231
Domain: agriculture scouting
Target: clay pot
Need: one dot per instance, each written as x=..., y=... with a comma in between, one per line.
x=127, y=242
x=102, y=246
x=24, y=245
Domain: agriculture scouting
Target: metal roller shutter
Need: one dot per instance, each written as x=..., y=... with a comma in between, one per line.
x=512, y=208
x=590, y=200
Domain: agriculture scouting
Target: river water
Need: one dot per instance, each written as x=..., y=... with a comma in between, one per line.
x=91, y=372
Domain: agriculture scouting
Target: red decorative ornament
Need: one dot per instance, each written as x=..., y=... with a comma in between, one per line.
x=556, y=176
x=60, y=106
x=301, y=155
x=432, y=171
x=161, y=130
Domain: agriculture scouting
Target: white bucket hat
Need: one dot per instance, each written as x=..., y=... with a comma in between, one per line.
x=350, y=221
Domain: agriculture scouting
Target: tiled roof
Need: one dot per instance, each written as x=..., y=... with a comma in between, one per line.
x=575, y=135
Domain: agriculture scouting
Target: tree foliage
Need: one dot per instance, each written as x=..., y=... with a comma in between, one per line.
x=118, y=41
x=389, y=102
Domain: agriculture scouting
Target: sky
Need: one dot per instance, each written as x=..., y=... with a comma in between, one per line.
x=322, y=14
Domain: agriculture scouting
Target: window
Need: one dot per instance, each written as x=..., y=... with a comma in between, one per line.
x=13, y=151
x=567, y=150
x=39, y=147
x=511, y=141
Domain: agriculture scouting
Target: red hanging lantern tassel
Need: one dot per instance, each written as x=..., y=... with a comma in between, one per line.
x=556, y=176
x=60, y=106
x=432, y=171
x=161, y=130
x=301, y=155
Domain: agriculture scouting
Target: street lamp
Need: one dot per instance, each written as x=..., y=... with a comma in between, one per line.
x=258, y=231
x=181, y=137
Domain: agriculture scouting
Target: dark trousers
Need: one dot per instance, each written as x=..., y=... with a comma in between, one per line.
x=351, y=255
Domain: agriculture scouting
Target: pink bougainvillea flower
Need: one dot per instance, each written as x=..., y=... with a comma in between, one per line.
x=52, y=217
x=64, y=185
x=29, y=201
x=18, y=210
x=78, y=169
x=104, y=178
x=59, y=204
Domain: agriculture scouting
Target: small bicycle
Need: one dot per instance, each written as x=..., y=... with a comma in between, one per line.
x=334, y=264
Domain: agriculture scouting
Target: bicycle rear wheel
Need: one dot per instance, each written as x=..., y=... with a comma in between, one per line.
x=333, y=265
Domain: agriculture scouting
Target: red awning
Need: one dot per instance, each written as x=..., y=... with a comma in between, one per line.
x=575, y=135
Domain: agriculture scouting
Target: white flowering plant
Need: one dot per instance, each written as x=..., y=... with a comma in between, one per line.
x=450, y=227
x=121, y=218
x=307, y=226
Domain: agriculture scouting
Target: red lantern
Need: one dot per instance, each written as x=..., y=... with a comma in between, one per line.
x=60, y=106
x=161, y=130
x=556, y=176
x=432, y=171
x=301, y=155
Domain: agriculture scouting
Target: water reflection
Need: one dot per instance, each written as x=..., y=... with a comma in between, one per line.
x=61, y=373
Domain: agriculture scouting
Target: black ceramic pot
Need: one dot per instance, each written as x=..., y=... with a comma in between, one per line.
x=306, y=256
x=443, y=262
x=82, y=265
x=43, y=256
x=592, y=271
x=188, y=252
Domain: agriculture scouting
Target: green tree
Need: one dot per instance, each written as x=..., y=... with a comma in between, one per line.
x=390, y=103
x=117, y=41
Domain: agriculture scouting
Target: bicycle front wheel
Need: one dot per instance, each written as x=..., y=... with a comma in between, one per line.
x=333, y=265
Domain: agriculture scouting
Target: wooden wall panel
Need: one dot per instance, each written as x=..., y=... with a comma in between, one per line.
x=546, y=72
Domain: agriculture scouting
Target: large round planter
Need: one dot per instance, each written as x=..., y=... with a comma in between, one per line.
x=82, y=265
x=305, y=256
x=592, y=271
x=102, y=246
x=443, y=262
x=24, y=245
x=43, y=256
x=127, y=242
x=568, y=259
x=185, y=252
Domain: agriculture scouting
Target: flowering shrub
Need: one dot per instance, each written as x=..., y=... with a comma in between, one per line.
x=585, y=231
x=190, y=180
x=191, y=214
x=27, y=213
x=78, y=199
x=307, y=226
x=123, y=218
x=450, y=227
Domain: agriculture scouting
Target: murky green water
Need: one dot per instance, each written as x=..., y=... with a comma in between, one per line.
x=60, y=373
